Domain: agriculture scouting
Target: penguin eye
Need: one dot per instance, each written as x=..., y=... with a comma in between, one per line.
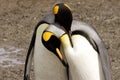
x=55, y=10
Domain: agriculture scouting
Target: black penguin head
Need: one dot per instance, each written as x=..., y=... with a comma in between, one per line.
x=63, y=15
x=53, y=44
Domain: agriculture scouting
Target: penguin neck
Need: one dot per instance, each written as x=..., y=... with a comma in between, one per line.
x=65, y=40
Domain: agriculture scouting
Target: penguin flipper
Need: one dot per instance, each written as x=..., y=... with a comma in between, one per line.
x=104, y=59
x=29, y=57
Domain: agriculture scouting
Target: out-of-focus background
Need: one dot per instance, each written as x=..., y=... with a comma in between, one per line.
x=19, y=17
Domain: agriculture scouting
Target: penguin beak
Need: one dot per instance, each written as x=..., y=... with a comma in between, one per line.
x=63, y=60
x=59, y=53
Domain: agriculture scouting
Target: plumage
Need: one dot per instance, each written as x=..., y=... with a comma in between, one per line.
x=46, y=64
x=82, y=41
x=83, y=58
x=82, y=50
x=97, y=43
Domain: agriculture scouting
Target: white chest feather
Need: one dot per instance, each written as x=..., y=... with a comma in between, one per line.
x=84, y=62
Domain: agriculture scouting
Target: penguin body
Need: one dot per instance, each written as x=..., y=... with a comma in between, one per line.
x=81, y=43
x=46, y=64
x=93, y=37
x=83, y=60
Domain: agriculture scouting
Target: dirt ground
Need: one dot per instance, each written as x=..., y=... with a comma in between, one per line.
x=18, y=18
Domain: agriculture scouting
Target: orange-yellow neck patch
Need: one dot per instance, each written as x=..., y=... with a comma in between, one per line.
x=56, y=9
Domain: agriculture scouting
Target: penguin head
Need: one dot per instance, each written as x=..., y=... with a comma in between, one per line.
x=51, y=42
x=63, y=15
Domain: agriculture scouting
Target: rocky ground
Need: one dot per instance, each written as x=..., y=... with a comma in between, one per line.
x=18, y=18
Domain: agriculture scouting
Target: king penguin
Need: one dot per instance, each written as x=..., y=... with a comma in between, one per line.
x=48, y=60
x=85, y=52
